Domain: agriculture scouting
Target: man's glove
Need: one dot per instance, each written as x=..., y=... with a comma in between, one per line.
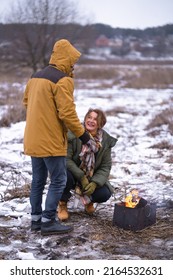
x=85, y=137
x=89, y=189
x=84, y=182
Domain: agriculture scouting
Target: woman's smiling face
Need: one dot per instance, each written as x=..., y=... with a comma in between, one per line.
x=91, y=123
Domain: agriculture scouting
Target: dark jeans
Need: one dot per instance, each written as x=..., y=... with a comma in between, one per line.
x=56, y=166
x=101, y=194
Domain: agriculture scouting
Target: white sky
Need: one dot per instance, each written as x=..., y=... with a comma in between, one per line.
x=121, y=13
x=129, y=13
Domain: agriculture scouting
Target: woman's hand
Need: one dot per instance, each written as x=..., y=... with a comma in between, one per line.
x=84, y=182
x=89, y=189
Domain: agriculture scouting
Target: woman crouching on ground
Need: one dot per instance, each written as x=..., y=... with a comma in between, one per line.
x=89, y=166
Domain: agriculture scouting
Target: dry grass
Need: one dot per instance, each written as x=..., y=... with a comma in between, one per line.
x=156, y=77
x=163, y=118
x=122, y=73
x=120, y=110
x=17, y=192
x=162, y=145
x=96, y=72
x=12, y=97
x=170, y=159
x=129, y=76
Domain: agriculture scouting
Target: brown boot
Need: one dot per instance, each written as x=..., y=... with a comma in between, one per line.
x=62, y=211
x=89, y=208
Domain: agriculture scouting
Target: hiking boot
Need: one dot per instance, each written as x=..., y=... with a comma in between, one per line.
x=62, y=211
x=89, y=208
x=54, y=227
x=36, y=225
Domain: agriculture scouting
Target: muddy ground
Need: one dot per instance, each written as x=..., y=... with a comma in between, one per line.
x=93, y=237
x=142, y=119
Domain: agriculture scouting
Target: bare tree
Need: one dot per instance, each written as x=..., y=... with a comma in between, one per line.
x=40, y=23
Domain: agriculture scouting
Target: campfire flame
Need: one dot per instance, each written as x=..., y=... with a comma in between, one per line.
x=132, y=199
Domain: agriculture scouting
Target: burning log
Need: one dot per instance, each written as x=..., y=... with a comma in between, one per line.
x=132, y=199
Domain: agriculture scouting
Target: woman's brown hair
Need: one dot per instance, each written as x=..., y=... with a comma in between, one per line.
x=101, y=117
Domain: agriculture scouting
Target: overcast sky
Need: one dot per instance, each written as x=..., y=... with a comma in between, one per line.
x=129, y=13
x=122, y=13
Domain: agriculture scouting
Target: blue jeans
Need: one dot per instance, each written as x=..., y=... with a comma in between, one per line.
x=56, y=166
x=100, y=195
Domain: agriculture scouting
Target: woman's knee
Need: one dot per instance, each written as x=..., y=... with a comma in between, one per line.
x=101, y=194
x=70, y=179
x=107, y=195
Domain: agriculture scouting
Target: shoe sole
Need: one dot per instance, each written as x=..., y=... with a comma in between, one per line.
x=56, y=232
x=35, y=229
x=89, y=213
x=63, y=220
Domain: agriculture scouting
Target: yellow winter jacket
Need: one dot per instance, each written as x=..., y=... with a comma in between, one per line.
x=50, y=105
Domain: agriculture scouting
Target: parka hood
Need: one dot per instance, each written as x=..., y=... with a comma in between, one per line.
x=64, y=56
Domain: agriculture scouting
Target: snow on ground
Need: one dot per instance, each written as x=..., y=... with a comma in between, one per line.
x=135, y=163
x=133, y=152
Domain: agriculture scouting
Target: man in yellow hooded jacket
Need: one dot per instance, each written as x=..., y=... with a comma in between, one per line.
x=50, y=112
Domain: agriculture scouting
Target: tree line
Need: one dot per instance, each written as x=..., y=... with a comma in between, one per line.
x=33, y=26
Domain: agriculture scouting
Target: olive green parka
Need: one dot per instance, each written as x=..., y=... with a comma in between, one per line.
x=103, y=159
x=50, y=106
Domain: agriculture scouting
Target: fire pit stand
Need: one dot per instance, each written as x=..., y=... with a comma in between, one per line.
x=143, y=215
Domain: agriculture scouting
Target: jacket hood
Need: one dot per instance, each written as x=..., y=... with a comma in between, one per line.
x=64, y=56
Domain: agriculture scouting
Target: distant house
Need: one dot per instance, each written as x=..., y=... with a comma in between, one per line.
x=102, y=41
x=116, y=42
x=102, y=46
